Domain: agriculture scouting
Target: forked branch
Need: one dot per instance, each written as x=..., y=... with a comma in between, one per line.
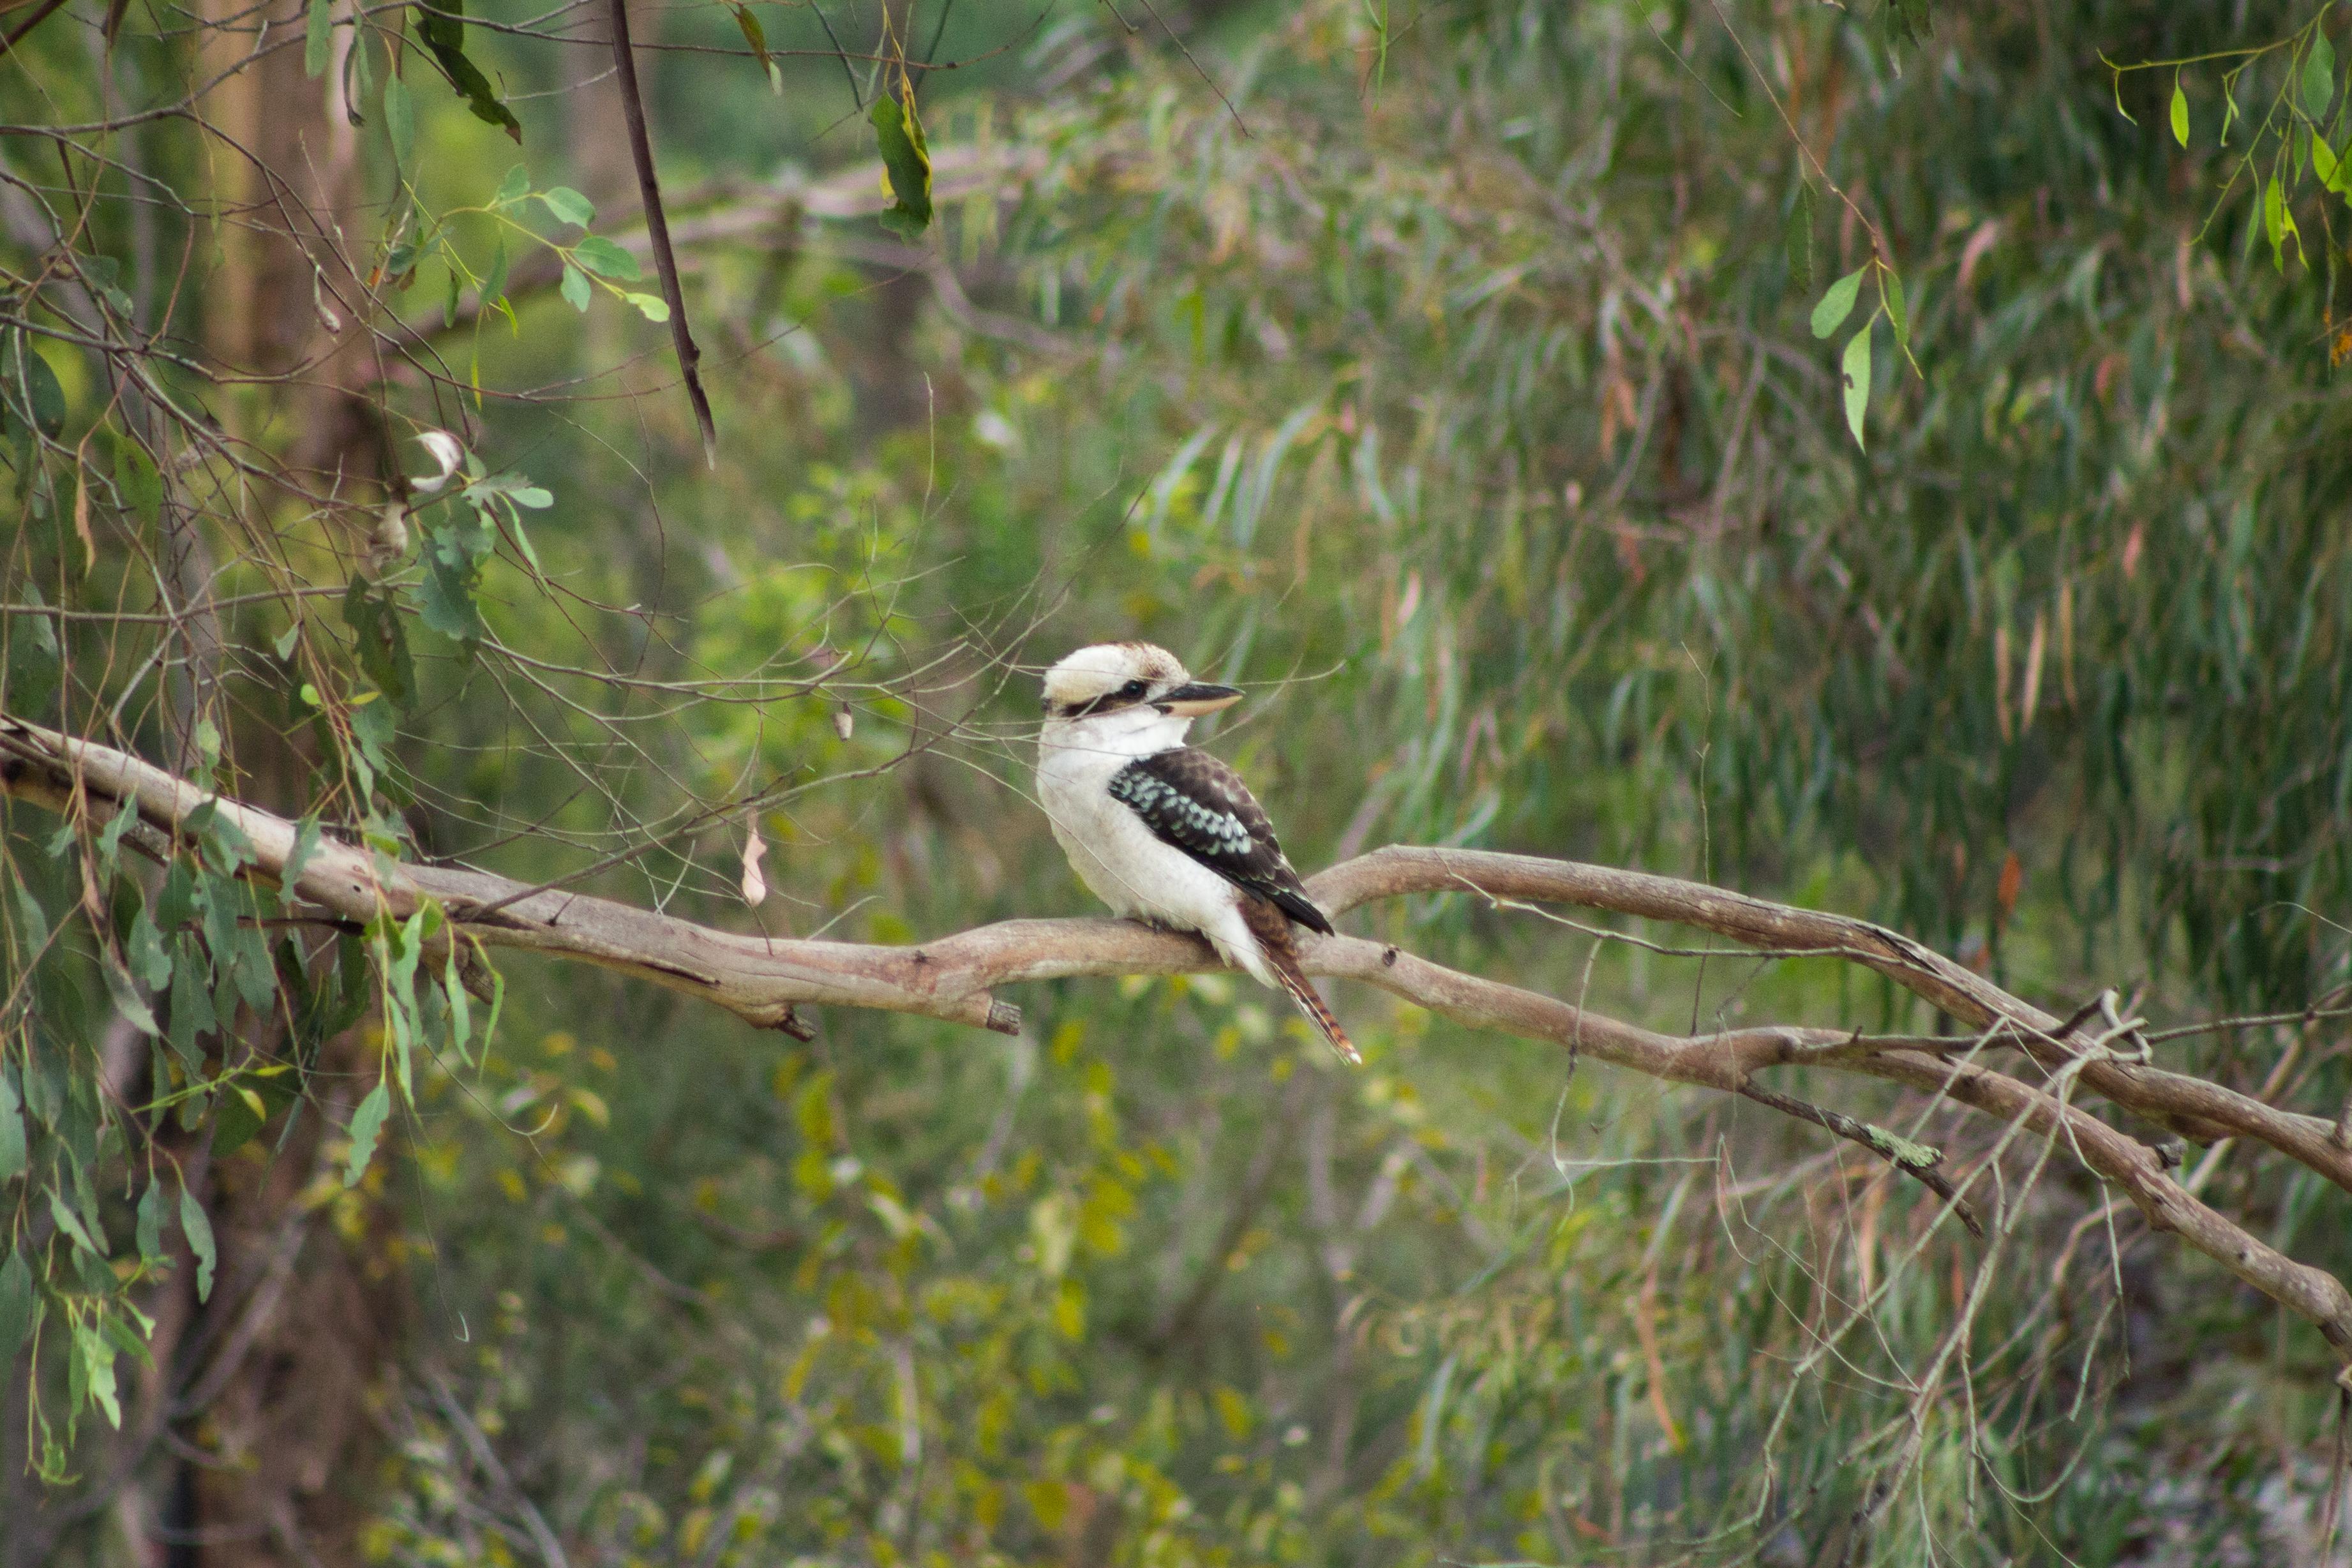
x=765, y=979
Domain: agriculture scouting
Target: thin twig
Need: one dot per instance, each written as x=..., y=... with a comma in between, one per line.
x=641, y=150
x=1908, y=1158
x=17, y=35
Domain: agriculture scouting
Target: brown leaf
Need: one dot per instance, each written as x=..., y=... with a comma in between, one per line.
x=755, y=849
x=2037, y=642
x=2012, y=883
x=2001, y=680
x=81, y=519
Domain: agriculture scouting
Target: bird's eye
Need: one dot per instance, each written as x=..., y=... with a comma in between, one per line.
x=1134, y=689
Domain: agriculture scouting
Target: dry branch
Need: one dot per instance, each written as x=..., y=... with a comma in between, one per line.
x=763, y=979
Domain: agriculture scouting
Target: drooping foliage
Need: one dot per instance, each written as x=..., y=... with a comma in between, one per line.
x=1481, y=387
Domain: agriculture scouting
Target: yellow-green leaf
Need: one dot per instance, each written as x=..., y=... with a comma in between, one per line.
x=906, y=160
x=2319, y=74
x=2179, y=115
x=1857, y=382
x=1837, y=302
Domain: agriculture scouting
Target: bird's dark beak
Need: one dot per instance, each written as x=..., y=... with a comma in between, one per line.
x=1196, y=697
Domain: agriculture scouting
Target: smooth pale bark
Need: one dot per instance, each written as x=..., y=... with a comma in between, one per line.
x=763, y=980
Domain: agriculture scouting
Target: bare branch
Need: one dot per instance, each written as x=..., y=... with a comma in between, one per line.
x=761, y=980
x=633, y=106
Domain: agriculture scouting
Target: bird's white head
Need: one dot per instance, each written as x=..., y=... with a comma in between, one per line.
x=1129, y=696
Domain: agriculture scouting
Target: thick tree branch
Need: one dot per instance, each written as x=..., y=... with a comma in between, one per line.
x=761, y=980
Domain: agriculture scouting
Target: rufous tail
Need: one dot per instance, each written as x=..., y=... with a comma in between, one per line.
x=1282, y=957
x=1286, y=969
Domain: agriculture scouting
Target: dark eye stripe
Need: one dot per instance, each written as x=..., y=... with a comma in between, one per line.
x=1131, y=692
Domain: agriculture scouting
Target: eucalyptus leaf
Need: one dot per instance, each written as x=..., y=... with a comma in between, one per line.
x=319, y=37
x=906, y=161
x=1837, y=302
x=567, y=204
x=1856, y=370
x=19, y=1304
x=400, y=129
x=1797, y=238
x=2319, y=75
x=367, y=1123
x=198, y=1229
x=12, y=1131
x=600, y=256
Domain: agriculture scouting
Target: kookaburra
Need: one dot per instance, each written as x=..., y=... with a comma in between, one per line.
x=1163, y=832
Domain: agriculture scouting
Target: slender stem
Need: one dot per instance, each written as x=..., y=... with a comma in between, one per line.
x=641, y=150
x=17, y=34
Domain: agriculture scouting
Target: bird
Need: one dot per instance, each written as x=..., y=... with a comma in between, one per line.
x=1164, y=833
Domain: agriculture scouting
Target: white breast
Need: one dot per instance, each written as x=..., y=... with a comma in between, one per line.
x=1119, y=859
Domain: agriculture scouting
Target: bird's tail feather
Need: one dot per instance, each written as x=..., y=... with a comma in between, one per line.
x=1286, y=969
x=1281, y=957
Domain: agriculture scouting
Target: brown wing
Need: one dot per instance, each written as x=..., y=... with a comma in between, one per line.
x=1196, y=803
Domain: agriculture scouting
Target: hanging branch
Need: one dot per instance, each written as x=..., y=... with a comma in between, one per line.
x=641, y=150
x=763, y=979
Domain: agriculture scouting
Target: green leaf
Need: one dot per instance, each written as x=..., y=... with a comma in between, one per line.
x=569, y=206
x=149, y=1231
x=12, y=1134
x=514, y=187
x=49, y=394
x=494, y=281
x=242, y=1115
x=1837, y=302
x=124, y=991
x=151, y=961
x=652, y=306
x=1857, y=382
x=2334, y=171
x=443, y=28
x=400, y=128
x=532, y=496
x=1799, y=238
x=362, y=77
x=575, y=289
x=306, y=844
x=2319, y=75
x=908, y=161
x=753, y=35
x=2276, y=222
x=19, y=1306
x=371, y=613
x=97, y=1358
x=367, y=1122
x=600, y=256
x=192, y=1006
x=109, y=836
x=198, y=1229
x=70, y=1223
x=318, y=37
x=444, y=598
x=135, y=479
x=2179, y=115
x=461, y=1010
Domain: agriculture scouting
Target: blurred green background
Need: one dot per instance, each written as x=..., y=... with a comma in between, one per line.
x=1442, y=374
